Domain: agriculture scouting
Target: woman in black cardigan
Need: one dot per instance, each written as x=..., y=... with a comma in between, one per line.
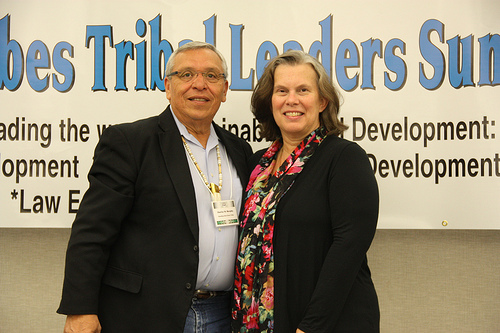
x=310, y=212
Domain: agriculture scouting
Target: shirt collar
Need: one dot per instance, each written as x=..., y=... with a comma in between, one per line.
x=213, y=140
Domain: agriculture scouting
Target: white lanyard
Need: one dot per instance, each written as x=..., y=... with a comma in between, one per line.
x=224, y=211
x=213, y=188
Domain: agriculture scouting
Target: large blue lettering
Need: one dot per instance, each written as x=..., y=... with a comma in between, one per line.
x=460, y=77
x=324, y=47
x=37, y=57
x=348, y=65
x=161, y=49
x=99, y=33
x=10, y=48
x=489, y=69
x=432, y=55
x=292, y=45
x=210, y=30
x=395, y=64
x=124, y=50
x=347, y=57
x=266, y=52
x=63, y=67
x=140, y=64
x=237, y=81
x=370, y=48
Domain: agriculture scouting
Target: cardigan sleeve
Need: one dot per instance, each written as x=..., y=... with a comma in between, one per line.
x=354, y=201
x=105, y=205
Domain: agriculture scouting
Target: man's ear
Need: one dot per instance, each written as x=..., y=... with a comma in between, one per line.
x=224, y=93
x=166, y=82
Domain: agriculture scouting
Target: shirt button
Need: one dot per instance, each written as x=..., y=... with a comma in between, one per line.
x=217, y=258
x=195, y=248
x=188, y=286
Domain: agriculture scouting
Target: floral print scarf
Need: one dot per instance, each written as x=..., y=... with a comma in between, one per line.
x=254, y=278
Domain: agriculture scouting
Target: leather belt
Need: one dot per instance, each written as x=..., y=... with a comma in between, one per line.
x=206, y=294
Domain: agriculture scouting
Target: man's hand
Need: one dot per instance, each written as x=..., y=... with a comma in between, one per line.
x=300, y=331
x=82, y=324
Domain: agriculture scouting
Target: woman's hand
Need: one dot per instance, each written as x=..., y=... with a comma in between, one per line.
x=299, y=331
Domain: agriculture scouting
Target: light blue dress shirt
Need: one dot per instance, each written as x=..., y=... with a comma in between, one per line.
x=217, y=245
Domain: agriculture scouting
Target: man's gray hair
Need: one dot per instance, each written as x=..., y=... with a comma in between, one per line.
x=195, y=46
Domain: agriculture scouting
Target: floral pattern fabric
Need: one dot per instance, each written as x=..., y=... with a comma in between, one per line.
x=253, y=309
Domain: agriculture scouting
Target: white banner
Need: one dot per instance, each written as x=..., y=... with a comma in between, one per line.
x=419, y=80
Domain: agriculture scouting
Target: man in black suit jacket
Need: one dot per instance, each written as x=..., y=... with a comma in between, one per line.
x=145, y=254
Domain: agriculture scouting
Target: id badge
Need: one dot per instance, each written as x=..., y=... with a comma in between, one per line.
x=225, y=213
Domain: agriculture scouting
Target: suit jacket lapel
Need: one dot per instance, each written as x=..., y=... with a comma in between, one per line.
x=178, y=168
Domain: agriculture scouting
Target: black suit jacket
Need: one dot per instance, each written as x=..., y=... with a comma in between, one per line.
x=132, y=257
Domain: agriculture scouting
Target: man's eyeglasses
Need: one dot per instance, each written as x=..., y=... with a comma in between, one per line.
x=188, y=76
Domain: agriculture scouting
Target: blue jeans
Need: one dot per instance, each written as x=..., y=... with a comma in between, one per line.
x=211, y=315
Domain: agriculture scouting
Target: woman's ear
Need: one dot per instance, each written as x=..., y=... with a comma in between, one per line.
x=323, y=105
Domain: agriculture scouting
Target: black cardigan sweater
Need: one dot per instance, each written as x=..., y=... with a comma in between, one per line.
x=324, y=226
